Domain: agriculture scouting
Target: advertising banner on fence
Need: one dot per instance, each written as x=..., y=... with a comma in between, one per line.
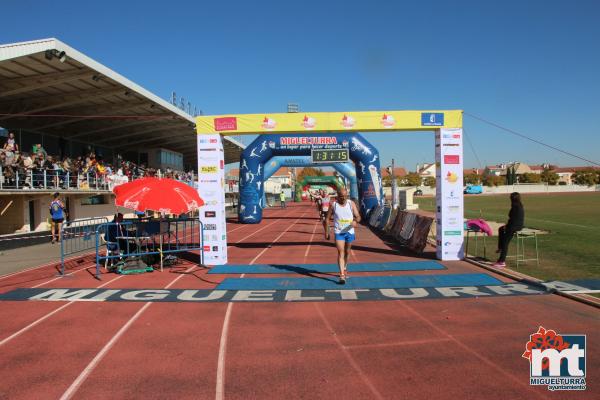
x=211, y=187
x=449, y=192
x=362, y=121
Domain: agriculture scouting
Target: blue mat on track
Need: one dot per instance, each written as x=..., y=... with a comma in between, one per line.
x=325, y=268
x=359, y=282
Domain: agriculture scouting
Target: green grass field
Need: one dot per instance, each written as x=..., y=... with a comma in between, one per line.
x=570, y=250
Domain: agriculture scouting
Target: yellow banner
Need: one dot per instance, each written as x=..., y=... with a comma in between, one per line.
x=360, y=121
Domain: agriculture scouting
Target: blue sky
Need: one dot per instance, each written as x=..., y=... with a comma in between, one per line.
x=531, y=66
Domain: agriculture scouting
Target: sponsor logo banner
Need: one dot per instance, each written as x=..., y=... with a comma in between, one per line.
x=328, y=122
x=432, y=119
x=210, y=188
x=557, y=361
x=225, y=124
x=451, y=159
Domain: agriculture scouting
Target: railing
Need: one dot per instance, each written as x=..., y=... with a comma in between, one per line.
x=77, y=236
x=150, y=237
x=58, y=180
x=61, y=180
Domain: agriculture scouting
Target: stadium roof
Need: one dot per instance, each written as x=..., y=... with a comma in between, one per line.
x=48, y=87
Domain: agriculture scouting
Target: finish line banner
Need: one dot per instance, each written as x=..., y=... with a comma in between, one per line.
x=363, y=121
x=211, y=188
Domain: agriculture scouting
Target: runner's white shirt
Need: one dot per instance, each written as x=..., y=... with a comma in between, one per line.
x=343, y=217
x=325, y=201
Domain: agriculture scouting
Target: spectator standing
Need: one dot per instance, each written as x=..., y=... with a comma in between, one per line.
x=282, y=198
x=11, y=143
x=57, y=214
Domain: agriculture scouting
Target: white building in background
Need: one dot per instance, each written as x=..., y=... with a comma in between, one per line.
x=283, y=177
x=426, y=170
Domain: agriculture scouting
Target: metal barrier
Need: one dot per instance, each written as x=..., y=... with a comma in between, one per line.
x=76, y=236
x=146, y=237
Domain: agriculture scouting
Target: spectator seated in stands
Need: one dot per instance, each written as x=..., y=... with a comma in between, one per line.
x=40, y=170
x=37, y=148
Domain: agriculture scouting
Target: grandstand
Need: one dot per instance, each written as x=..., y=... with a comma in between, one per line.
x=108, y=128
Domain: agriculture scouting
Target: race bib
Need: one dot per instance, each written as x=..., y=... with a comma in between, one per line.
x=345, y=222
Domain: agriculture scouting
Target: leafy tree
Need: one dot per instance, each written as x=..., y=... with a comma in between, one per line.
x=550, y=177
x=530, y=177
x=387, y=180
x=493, y=180
x=429, y=181
x=587, y=177
x=310, y=171
x=511, y=175
x=472, y=179
x=411, y=179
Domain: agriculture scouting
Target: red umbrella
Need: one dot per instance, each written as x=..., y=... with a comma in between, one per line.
x=125, y=187
x=166, y=196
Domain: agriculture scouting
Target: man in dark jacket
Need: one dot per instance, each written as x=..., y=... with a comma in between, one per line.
x=516, y=219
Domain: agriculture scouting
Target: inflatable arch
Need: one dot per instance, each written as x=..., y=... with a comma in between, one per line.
x=264, y=147
x=345, y=169
x=330, y=181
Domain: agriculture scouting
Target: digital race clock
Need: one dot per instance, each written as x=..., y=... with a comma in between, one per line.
x=329, y=155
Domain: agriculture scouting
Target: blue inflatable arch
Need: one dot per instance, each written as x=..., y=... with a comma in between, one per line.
x=265, y=147
x=345, y=169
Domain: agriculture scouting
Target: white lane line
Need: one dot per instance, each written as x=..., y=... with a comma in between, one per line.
x=468, y=349
x=219, y=391
x=51, y=313
x=62, y=277
x=90, y=367
x=243, y=226
x=220, y=384
x=351, y=361
x=256, y=231
x=96, y=360
x=586, y=291
x=45, y=265
x=276, y=239
x=345, y=349
x=310, y=243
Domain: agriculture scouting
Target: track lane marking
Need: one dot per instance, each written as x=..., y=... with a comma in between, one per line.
x=81, y=378
x=310, y=243
x=530, y=389
x=345, y=349
x=220, y=381
x=51, y=313
x=346, y=352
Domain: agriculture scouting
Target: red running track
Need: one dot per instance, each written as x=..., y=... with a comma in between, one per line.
x=468, y=348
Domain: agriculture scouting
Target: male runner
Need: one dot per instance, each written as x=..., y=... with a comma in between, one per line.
x=345, y=218
x=325, y=202
x=317, y=198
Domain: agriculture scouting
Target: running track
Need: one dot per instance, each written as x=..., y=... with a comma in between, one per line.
x=430, y=349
